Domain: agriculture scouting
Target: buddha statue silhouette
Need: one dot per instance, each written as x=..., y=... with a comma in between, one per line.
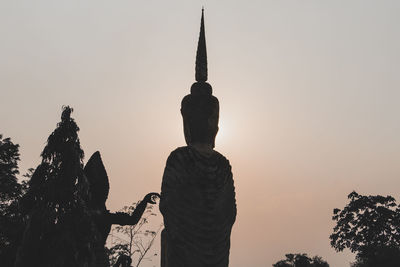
x=197, y=193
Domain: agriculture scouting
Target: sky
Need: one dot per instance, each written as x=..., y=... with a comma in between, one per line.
x=308, y=90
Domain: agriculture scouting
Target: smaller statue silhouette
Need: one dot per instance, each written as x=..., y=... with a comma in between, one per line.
x=103, y=218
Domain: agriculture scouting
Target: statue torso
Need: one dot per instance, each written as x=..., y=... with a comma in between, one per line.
x=199, y=209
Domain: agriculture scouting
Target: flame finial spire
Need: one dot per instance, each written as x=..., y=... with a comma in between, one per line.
x=201, y=56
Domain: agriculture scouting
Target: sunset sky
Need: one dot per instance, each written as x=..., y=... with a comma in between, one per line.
x=309, y=97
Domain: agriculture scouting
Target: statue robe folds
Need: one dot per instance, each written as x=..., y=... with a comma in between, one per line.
x=199, y=209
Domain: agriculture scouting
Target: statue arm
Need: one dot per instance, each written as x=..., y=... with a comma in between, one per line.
x=122, y=218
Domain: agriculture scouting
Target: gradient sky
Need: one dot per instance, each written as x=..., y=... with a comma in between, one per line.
x=309, y=95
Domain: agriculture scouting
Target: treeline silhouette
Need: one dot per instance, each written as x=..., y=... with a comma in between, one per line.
x=301, y=260
x=45, y=221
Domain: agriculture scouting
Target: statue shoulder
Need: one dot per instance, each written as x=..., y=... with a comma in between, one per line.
x=180, y=150
x=178, y=154
x=222, y=159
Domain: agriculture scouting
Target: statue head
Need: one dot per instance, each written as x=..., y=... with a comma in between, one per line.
x=200, y=109
x=98, y=182
x=200, y=112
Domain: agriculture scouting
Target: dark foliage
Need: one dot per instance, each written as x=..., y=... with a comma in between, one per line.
x=370, y=227
x=301, y=260
x=59, y=230
x=382, y=256
x=11, y=223
x=9, y=157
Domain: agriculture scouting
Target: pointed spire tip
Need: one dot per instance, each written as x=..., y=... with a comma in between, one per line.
x=201, y=55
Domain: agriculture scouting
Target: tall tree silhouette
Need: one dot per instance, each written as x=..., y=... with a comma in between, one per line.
x=11, y=223
x=370, y=227
x=59, y=230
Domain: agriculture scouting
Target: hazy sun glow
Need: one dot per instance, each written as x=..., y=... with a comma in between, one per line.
x=223, y=134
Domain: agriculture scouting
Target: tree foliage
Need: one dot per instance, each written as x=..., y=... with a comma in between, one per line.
x=301, y=260
x=370, y=227
x=11, y=191
x=9, y=157
x=59, y=231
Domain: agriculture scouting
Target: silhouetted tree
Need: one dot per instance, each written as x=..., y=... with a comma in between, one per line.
x=59, y=230
x=9, y=157
x=370, y=227
x=11, y=223
x=301, y=260
x=132, y=240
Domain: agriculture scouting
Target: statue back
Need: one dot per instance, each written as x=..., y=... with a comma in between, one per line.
x=199, y=209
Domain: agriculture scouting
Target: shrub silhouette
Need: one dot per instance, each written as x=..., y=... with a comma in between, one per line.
x=370, y=227
x=301, y=260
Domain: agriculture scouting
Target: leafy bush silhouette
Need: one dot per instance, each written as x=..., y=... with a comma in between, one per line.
x=370, y=227
x=301, y=260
